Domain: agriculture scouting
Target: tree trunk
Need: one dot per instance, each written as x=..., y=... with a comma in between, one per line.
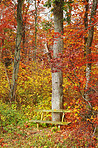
x=88, y=49
x=17, y=49
x=35, y=30
x=57, y=77
x=86, y=22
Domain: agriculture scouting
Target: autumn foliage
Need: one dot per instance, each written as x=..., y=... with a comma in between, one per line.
x=34, y=84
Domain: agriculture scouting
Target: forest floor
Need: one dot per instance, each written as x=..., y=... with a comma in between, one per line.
x=30, y=137
x=45, y=137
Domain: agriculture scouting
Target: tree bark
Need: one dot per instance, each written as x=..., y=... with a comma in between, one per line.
x=57, y=77
x=17, y=49
x=86, y=21
x=35, y=30
x=88, y=49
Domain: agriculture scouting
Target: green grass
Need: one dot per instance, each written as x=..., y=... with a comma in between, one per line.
x=17, y=132
x=31, y=138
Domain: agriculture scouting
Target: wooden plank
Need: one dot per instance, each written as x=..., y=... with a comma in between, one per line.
x=54, y=111
x=51, y=122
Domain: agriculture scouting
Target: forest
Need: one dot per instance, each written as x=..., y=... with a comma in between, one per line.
x=48, y=61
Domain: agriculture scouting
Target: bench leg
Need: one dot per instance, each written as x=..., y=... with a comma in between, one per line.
x=37, y=126
x=59, y=127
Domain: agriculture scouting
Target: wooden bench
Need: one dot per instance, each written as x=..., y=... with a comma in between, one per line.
x=51, y=122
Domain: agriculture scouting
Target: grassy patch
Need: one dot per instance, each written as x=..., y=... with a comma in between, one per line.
x=30, y=137
x=16, y=132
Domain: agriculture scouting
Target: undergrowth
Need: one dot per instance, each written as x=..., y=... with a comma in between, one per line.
x=16, y=131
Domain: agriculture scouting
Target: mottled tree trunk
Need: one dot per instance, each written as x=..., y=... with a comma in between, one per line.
x=86, y=21
x=35, y=30
x=57, y=77
x=17, y=49
x=88, y=49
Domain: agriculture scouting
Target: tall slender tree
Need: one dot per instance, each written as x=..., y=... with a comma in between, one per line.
x=89, y=41
x=57, y=77
x=17, y=49
x=35, y=30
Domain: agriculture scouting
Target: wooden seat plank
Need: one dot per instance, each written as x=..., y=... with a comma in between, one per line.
x=54, y=111
x=50, y=122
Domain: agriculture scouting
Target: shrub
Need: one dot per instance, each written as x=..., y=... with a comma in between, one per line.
x=9, y=115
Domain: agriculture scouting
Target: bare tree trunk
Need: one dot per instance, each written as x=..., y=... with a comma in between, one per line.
x=24, y=50
x=85, y=36
x=88, y=49
x=57, y=77
x=17, y=49
x=86, y=20
x=35, y=30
